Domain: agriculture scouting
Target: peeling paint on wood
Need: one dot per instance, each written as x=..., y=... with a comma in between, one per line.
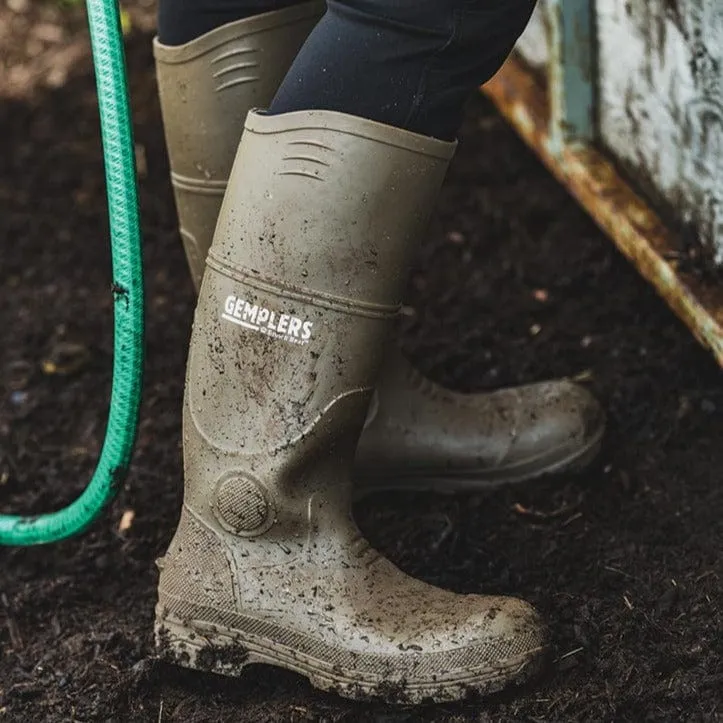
x=661, y=110
x=660, y=103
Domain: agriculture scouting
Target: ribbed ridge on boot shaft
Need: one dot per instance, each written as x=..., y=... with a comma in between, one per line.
x=328, y=204
x=331, y=121
x=207, y=86
x=236, y=31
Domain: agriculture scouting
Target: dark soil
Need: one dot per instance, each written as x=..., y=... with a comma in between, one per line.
x=513, y=284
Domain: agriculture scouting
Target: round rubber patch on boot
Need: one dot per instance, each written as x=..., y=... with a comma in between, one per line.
x=243, y=505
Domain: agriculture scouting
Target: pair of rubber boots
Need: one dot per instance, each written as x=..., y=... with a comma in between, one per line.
x=291, y=394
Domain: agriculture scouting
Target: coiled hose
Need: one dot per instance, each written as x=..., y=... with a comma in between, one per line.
x=120, y=173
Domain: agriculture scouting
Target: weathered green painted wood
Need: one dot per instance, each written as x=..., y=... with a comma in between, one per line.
x=572, y=70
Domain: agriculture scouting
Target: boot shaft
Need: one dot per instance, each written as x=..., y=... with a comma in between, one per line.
x=206, y=88
x=307, y=268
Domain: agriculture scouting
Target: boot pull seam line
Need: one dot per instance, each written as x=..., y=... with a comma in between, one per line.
x=305, y=432
x=308, y=296
x=201, y=186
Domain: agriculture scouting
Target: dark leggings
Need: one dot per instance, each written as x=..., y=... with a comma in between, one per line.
x=406, y=63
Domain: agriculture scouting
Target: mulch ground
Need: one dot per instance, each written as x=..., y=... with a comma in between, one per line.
x=513, y=284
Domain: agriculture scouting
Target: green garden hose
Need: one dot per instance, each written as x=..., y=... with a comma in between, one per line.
x=127, y=288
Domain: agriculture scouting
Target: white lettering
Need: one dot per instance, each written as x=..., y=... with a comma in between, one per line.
x=250, y=312
x=268, y=322
x=283, y=324
x=294, y=326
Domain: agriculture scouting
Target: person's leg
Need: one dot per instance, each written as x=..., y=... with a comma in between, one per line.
x=304, y=277
x=413, y=71
x=181, y=21
x=407, y=63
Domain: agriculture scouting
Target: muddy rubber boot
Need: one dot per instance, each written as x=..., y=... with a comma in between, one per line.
x=206, y=88
x=420, y=436
x=303, y=281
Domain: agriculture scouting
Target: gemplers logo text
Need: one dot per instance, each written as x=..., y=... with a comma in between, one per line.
x=280, y=326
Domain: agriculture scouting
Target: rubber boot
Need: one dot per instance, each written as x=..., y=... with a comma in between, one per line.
x=419, y=435
x=206, y=88
x=303, y=281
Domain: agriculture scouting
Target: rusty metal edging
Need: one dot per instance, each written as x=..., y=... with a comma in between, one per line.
x=616, y=208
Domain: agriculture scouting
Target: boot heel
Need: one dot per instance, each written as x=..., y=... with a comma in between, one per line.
x=182, y=644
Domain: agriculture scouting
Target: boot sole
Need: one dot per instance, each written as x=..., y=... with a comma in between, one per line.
x=216, y=649
x=478, y=480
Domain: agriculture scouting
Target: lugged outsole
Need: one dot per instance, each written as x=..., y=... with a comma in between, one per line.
x=210, y=648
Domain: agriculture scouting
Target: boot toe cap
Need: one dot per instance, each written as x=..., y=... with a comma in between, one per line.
x=489, y=643
x=502, y=632
x=465, y=637
x=557, y=423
